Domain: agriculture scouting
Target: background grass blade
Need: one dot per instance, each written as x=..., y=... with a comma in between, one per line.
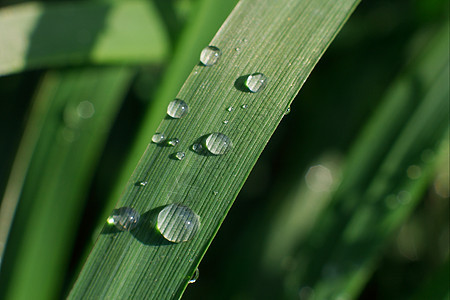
x=124, y=265
x=36, y=34
x=376, y=195
x=75, y=109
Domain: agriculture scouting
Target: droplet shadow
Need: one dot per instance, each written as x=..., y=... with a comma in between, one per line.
x=239, y=84
x=146, y=231
x=200, y=142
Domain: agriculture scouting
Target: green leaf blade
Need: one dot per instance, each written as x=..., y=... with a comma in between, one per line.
x=141, y=264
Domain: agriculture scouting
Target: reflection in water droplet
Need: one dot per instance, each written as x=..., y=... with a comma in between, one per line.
x=124, y=218
x=178, y=223
x=143, y=183
x=210, y=55
x=218, y=143
x=414, y=172
x=158, y=138
x=244, y=106
x=180, y=155
x=195, y=277
x=256, y=82
x=85, y=110
x=230, y=108
x=177, y=109
x=225, y=122
x=173, y=142
x=319, y=178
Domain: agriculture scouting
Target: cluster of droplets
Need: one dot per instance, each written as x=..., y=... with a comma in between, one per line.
x=176, y=222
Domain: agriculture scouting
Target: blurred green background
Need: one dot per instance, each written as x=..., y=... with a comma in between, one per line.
x=287, y=203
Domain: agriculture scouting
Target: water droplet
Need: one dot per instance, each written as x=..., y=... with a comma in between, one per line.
x=218, y=143
x=230, y=108
x=173, y=142
x=158, y=138
x=177, y=109
x=210, y=55
x=215, y=193
x=178, y=223
x=85, y=110
x=143, y=183
x=197, y=147
x=237, y=49
x=244, y=106
x=124, y=218
x=287, y=111
x=225, y=122
x=195, y=276
x=414, y=172
x=180, y=155
x=256, y=82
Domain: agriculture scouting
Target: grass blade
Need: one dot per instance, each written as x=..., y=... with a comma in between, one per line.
x=284, y=41
x=74, y=109
x=95, y=32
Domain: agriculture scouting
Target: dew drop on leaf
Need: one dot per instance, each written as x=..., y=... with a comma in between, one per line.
x=178, y=223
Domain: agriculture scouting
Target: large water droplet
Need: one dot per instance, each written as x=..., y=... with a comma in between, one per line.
x=230, y=108
x=218, y=143
x=177, y=109
x=210, y=55
x=256, y=82
x=158, y=138
x=178, y=223
x=124, y=218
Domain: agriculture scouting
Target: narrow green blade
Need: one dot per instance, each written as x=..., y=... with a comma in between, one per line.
x=35, y=35
x=68, y=125
x=283, y=40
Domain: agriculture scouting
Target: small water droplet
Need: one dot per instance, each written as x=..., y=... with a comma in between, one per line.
x=124, y=218
x=143, y=183
x=158, y=138
x=173, y=142
x=244, y=106
x=210, y=55
x=256, y=82
x=177, y=109
x=225, y=122
x=195, y=276
x=237, y=49
x=180, y=155
x=287, y=111
x=230, y=108
x=85, y=110
x=218, y=143
x=178, y=223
